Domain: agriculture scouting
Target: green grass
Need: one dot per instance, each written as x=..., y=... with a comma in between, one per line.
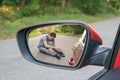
x=9, y=29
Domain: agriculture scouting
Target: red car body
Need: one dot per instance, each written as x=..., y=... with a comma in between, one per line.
x=79, y=46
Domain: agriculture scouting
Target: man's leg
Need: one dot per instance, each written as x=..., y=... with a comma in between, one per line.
x=59, y=52
x=49, y=52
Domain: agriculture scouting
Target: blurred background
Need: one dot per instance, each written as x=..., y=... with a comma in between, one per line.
x=104, y=15
x=16, y=14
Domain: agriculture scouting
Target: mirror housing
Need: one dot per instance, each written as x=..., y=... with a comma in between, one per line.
x=93, y=39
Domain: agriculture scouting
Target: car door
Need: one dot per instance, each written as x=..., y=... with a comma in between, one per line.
x=113, y=67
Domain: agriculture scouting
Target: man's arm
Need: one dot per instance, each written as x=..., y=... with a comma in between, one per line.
x=48, y=46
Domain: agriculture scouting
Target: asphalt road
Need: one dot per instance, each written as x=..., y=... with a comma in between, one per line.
x=14, y=67
x=107, y=30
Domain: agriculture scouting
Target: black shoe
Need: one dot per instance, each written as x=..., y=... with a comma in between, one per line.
x=62, y=54
x=58, y=56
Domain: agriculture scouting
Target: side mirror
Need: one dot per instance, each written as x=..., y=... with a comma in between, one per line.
x=61, y=44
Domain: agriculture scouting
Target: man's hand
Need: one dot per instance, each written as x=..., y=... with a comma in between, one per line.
x=57, y=48
x=52, y=47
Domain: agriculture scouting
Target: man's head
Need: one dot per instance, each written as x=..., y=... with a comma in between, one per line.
x=52, y=35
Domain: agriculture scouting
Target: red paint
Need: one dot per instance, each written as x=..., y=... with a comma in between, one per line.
x=94, y=34
x=71, y=62
x=117, y=61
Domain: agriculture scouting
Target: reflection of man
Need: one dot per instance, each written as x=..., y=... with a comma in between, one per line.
x=47, y=42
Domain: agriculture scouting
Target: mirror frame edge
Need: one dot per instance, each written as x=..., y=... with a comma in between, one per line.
x=22, y=43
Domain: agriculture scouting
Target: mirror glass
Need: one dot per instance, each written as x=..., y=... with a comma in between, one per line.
x=57, y=44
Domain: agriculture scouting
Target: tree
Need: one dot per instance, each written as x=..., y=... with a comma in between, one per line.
x=24, y=2
x=115, y=4
x=42, y=4
x=1, y=2
x=63, y=5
